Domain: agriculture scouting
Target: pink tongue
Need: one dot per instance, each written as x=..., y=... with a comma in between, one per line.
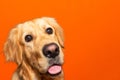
x=54, y=69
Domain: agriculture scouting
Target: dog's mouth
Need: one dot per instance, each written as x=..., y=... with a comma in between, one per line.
x=54, y=69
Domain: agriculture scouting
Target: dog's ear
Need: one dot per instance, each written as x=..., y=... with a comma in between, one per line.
x=59, y=34
x=12, y=48
x=58, y=30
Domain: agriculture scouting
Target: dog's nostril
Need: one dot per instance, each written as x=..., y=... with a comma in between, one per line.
x=48, y=53
x=57, y=50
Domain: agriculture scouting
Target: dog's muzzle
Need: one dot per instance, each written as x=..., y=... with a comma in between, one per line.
x=51, y=51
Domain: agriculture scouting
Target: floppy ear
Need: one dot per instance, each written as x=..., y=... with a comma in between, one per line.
x=59, y=34
x=58, y=30
x=12, y=48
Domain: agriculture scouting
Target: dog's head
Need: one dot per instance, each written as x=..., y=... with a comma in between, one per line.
x=39, y=43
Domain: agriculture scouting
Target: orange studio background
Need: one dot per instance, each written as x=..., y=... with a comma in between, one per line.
x=92, y=34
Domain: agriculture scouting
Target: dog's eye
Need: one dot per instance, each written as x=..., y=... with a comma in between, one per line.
x=49, y=30
x=28, y=38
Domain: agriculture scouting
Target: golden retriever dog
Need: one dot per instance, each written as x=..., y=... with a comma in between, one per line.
x=36, y=46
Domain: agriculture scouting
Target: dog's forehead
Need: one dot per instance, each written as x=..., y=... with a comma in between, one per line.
x=38, y=23
x=42, y=23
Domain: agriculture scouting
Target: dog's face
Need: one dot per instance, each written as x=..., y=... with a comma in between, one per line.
x=39, y=43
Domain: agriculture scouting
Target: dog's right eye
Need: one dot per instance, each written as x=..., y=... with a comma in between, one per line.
x=49, y=30
x=28, y=38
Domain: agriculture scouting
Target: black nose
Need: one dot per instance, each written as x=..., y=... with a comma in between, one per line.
x=51, y=50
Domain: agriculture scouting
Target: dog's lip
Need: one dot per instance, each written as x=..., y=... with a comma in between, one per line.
x=56, y=73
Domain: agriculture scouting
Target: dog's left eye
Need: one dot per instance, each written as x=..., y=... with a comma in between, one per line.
x=49, y=30
x=28, y=38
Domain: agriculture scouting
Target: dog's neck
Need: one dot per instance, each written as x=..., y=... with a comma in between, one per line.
x=26, y=72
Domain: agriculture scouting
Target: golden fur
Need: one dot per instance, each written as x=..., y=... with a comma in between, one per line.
x=32, y=64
